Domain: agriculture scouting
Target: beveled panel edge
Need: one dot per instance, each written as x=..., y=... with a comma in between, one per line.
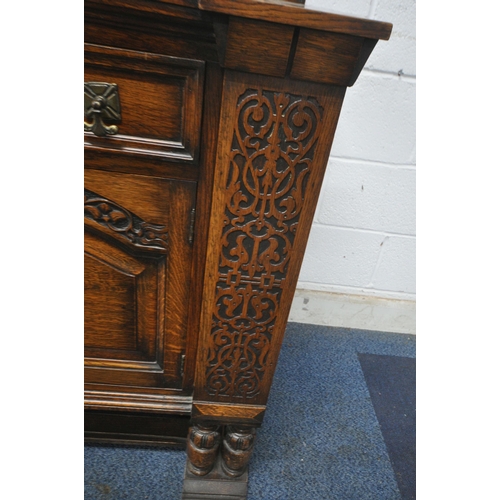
x=143, y=165
x=121, y=364
x=227, y=412
x=169, y=150
x=164, y=403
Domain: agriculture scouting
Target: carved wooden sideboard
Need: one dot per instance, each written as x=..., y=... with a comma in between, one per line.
x=208, y=125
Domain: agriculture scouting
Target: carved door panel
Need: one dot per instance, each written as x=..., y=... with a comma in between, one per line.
x=137, y=270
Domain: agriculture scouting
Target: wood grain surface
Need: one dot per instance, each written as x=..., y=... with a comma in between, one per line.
x=273, y=149
x=137, y=297
x=198, y=211
x=297, y=15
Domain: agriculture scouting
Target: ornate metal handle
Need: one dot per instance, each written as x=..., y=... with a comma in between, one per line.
x=101, y=103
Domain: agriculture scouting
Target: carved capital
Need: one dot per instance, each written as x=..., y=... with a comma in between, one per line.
x=237, y=449
x=202, y=448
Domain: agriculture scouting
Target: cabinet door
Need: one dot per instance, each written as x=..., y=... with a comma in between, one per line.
x=137, y=278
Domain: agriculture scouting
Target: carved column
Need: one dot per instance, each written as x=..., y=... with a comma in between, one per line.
x=203, y=448
x=237, y=447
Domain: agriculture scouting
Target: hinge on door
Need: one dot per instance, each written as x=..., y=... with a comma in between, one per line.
x=183, y=361
x=191, y=226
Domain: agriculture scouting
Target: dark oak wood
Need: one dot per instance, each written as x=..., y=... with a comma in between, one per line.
x=326, y=57
x=149, y=429
x=210, y=135
x=294, y=14
x=161, y=101
x=262, y=207
x=237, y=447
x=217, y=484
x=137, y=289
x=274, y=42
x=203, y=448
x=203, y=166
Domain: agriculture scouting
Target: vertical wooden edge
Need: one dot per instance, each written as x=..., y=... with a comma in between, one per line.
x=213, y=237
x=209, y=141
x=193, y=93
x=221, y=25
x=286, y=51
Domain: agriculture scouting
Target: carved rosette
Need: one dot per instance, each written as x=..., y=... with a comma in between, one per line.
x=123, y=223
x=273, y=146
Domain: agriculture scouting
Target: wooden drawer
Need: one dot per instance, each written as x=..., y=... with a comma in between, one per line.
x=160, y=101
x=138, y=251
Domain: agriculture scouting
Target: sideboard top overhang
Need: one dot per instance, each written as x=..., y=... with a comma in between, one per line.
x=283, y=12
x=290, y=13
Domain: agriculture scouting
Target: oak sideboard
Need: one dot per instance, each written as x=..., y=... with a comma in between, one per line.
x=207, y=129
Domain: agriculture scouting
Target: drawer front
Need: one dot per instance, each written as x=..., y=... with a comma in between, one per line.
x=137, y=281
x=159, y=100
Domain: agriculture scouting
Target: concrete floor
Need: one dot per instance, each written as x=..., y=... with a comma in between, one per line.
x=353, y=311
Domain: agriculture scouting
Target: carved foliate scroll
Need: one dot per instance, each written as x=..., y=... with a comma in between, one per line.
x=273, y=145
x=124, y=224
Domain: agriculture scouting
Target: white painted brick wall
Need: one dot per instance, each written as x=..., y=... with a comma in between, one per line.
x=363, y=238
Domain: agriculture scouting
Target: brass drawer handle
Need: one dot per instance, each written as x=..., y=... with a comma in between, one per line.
x=101, y=103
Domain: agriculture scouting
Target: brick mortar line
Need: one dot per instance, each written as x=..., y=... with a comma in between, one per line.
x=354, y=290
x=392, y=74
x=407, y=166
x=364, y=230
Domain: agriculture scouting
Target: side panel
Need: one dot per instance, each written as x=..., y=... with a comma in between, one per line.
x=275, y=138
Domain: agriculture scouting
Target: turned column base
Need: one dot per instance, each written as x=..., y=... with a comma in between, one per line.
x=214, y=471
x=216, y=485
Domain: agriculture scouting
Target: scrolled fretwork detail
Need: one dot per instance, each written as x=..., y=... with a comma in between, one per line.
x=124, y=223
x=273, y=145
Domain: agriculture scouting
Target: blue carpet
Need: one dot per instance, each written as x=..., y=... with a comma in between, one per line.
x=391, y=381
x=321, y=438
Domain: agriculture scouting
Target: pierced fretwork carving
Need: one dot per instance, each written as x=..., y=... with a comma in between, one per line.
x=124, y=223
x=273, y=146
